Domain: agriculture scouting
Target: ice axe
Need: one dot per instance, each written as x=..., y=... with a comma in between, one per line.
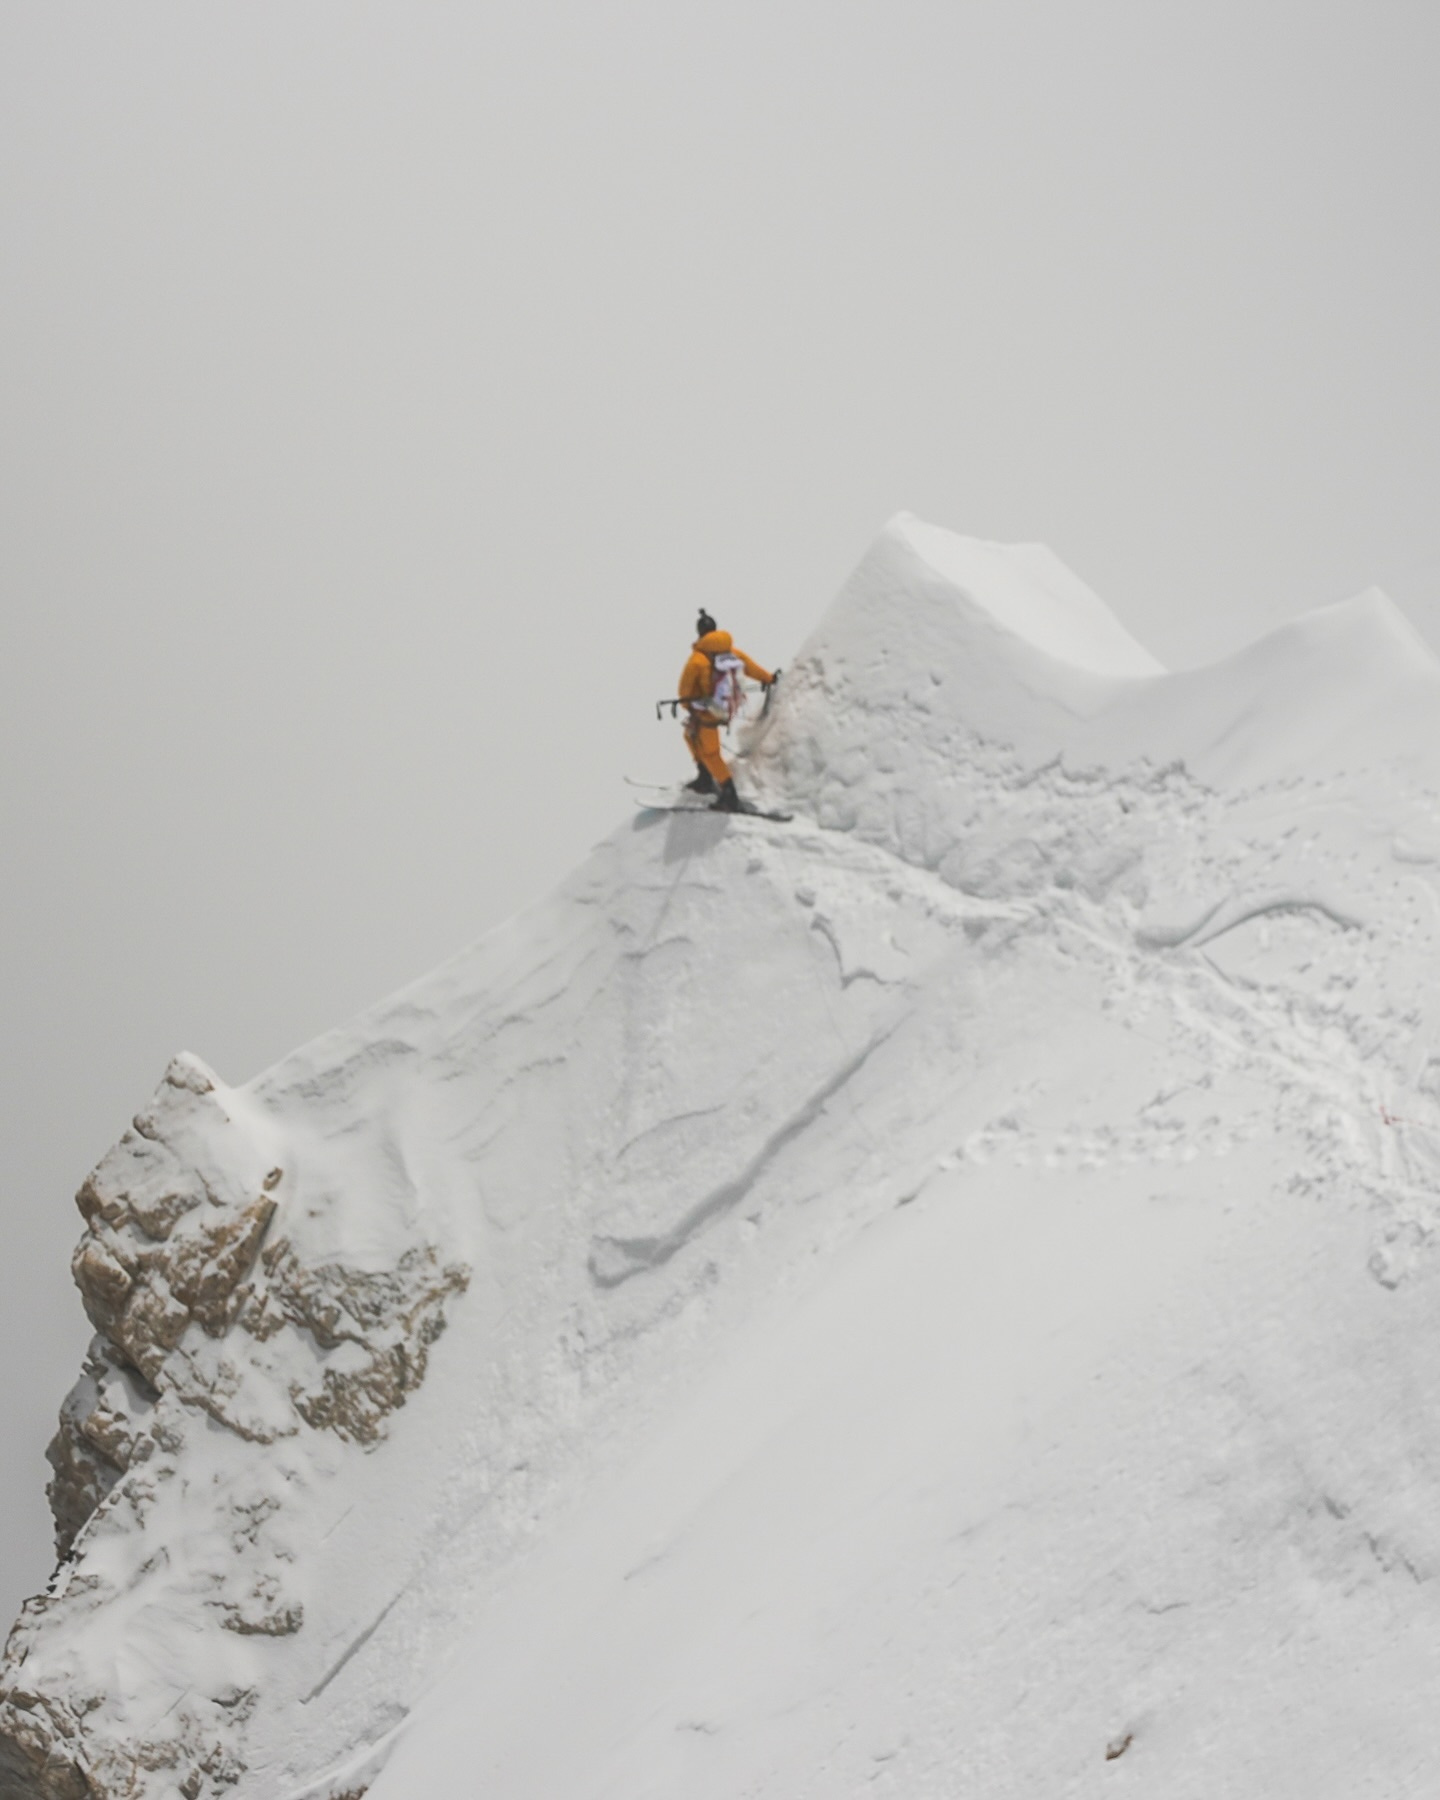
x=699, y=700
x=696, y=701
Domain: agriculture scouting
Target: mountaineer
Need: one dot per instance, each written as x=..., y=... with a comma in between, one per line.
x=711, y=694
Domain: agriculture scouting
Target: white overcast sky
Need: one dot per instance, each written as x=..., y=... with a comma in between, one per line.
x=382, y=387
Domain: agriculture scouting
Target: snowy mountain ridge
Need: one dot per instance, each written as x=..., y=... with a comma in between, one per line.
x=1025, y=656
x=600, y=1367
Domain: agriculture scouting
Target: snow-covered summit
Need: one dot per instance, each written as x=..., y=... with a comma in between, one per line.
x=1023, y=590
x=941, y=637
x=939, y=1294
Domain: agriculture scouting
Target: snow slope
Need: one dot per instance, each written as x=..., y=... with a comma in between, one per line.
x=937, y=1298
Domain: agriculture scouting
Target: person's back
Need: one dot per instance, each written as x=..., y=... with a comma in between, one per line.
x=710, y=688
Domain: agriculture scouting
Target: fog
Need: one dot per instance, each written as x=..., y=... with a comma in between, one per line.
x=385, y=386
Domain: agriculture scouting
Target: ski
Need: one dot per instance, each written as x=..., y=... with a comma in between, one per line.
x=742, y=812
x=699, y=805
x=652, y=787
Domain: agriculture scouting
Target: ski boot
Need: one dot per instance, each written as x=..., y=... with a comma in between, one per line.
x=728, y=800
x=704, y=782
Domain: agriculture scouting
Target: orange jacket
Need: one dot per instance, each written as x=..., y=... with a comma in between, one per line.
x=697, y=678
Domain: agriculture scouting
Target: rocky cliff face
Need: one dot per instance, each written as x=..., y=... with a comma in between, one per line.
x=208, y=1320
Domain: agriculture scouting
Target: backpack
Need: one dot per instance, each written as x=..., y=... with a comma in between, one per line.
x=727, y=697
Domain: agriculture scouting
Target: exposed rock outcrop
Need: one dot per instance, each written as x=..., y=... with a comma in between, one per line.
x=207, y=1315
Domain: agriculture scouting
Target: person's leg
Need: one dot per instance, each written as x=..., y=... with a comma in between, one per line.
x=707, y=754
x=704, y=782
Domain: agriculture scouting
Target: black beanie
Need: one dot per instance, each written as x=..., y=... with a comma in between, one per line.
x=704, y=623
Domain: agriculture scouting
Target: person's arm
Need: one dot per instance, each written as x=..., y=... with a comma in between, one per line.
x=753, y=669
x=693, y=684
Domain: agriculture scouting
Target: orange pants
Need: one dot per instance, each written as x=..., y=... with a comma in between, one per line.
x=703, y=743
